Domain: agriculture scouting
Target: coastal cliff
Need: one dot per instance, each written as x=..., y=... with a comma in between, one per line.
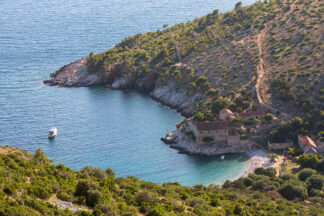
x=76, y=74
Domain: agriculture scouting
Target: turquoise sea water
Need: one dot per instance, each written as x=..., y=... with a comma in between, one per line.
x=96, y=126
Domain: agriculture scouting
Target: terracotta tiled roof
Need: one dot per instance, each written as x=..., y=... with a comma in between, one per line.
x=251, y=113
x=211, y=125
x=226, y=111
x=306, y=141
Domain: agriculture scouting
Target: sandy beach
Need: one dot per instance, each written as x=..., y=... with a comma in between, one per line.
x=258, y=158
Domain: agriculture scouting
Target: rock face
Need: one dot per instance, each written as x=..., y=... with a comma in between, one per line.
x=121, y=83
x=76, y=74
x=174, y=97
x=185, y=144
x=67, y=205
x=73, y=74
x=146, y=83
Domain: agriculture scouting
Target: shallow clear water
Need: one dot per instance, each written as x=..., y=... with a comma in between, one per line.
x=96, y=126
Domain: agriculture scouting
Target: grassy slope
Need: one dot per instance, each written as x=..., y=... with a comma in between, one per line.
x=27, y=182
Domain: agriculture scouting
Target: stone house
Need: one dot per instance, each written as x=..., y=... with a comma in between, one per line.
x=214, y=131
x=251, y=115
x=226, y=114
x=307, y=144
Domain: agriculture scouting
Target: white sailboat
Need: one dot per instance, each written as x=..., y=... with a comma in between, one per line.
x=53, y=131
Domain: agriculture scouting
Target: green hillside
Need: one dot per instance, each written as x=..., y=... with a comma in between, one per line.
x=268, y=53
x=29, y=184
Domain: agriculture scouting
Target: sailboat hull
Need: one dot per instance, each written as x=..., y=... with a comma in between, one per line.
x=52, y=133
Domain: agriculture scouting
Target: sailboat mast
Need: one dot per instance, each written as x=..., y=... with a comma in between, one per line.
x=53, y=116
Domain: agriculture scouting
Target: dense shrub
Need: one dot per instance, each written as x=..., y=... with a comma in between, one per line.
x=9, y=189
x=291, y=192
x=267, y=172
x=93, y=197
x=195, y=201
x=156, y=211
x=305, y=173
x=110, y=172
x=106, y=209
x=64, y=196
x=145, y=196
x=84, y=186
x=310, y=161
x=40, y=192
x=315, y=182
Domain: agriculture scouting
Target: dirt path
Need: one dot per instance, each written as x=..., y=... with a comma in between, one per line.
x=261, y=70
x=278, y=164
x=261, y=62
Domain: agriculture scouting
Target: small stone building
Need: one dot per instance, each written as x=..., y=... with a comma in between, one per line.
x=214, y=131
x=307, y=144
x=226, y=114
x=251, y=115
x=280, y=146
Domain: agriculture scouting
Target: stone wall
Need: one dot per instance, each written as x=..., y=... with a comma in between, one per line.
x=233, y=140
x=218, y=136
x=277, y=146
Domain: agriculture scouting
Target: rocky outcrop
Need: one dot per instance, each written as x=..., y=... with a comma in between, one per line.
x=121, y=83
x=146, y=83
x=76, y=74
x=142, y=83
x=67, y=205
x=175, y=97
x=73, y=74
x=185, y=144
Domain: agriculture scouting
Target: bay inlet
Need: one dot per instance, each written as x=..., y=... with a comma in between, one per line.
x=97, y=127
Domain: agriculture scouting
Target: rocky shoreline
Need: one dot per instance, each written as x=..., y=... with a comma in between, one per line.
x=185, y=144
x=75, y=74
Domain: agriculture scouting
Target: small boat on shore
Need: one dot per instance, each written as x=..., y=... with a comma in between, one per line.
x=222, y=157
x=53, y=131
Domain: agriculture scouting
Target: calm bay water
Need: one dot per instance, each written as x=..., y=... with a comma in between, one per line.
x=96, y=126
